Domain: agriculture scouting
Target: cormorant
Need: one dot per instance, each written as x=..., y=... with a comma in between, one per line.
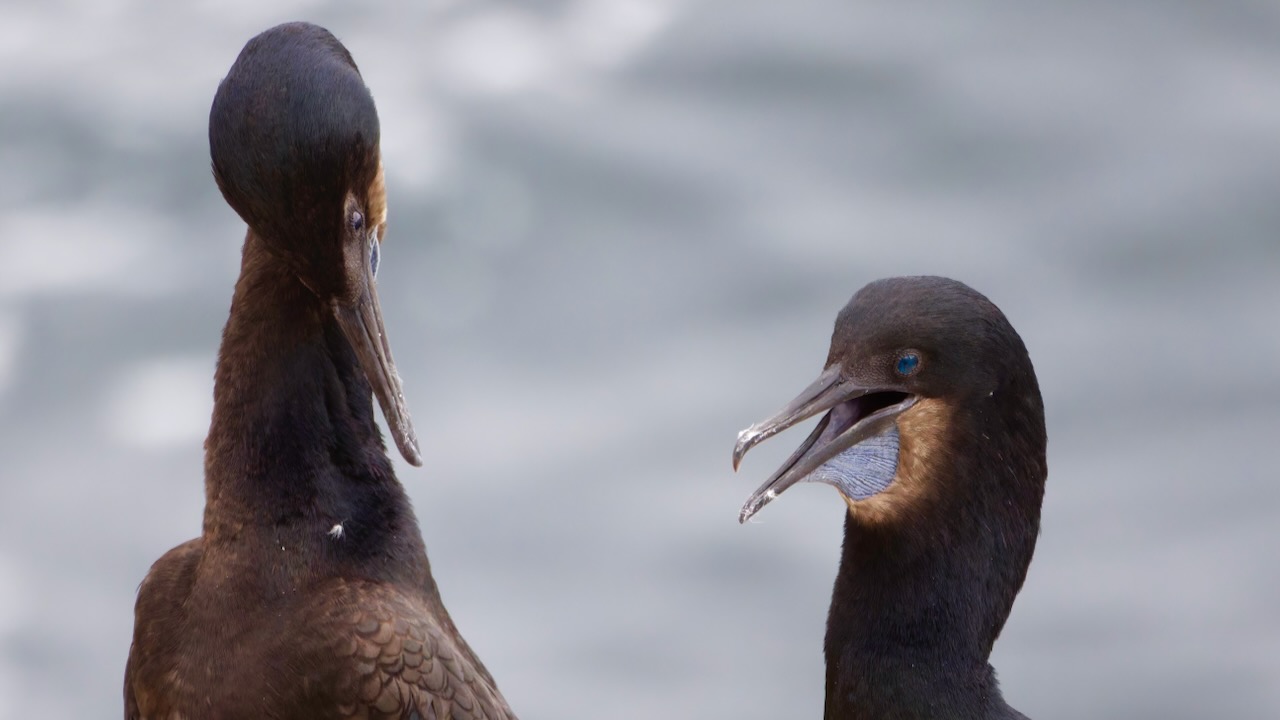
x=309, y=593
x=934, y=435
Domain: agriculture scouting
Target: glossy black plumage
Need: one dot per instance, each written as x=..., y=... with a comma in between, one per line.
x=937, y=548
x=309, y=593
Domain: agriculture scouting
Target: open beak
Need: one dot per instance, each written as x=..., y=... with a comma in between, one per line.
x=361, y=322
x=854, y=413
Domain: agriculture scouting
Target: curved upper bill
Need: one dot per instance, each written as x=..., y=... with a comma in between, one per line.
x=826, y=441
x=361, y=322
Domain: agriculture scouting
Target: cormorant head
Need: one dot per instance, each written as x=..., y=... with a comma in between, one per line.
x=293, y=134
x=922, y=371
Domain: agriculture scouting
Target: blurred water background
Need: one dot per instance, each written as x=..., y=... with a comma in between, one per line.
x=619, y=232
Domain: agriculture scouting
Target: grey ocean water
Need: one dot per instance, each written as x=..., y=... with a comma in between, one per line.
x=620, y=231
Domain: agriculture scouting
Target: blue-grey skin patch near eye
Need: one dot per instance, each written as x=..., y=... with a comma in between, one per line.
x=863, y=470
x=373, y=256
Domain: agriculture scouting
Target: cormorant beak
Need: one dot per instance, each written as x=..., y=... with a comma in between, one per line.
x=856, y=413
x=361, y=321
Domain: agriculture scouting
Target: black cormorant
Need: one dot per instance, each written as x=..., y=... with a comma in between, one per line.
x=308, y=594
x=934, y=435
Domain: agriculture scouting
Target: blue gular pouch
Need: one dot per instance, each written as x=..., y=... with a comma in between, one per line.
x=863, y=470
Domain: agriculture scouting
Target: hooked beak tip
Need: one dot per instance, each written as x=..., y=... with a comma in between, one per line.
x=409, y=449
x=746, y=439
x=400, y=423
x=753, y=505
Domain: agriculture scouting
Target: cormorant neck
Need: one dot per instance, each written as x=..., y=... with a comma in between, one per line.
x=919, y=600
x=293, y=450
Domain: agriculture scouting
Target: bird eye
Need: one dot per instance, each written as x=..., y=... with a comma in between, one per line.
x=357, y=220
x=373, y=255
x=907, y=363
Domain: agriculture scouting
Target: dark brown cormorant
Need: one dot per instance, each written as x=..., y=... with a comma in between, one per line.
x=934, y=435
x=308, y=594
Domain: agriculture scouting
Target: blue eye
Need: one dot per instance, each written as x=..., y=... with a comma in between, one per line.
x=908, y=363
x=373, y=256
x=357, y=220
